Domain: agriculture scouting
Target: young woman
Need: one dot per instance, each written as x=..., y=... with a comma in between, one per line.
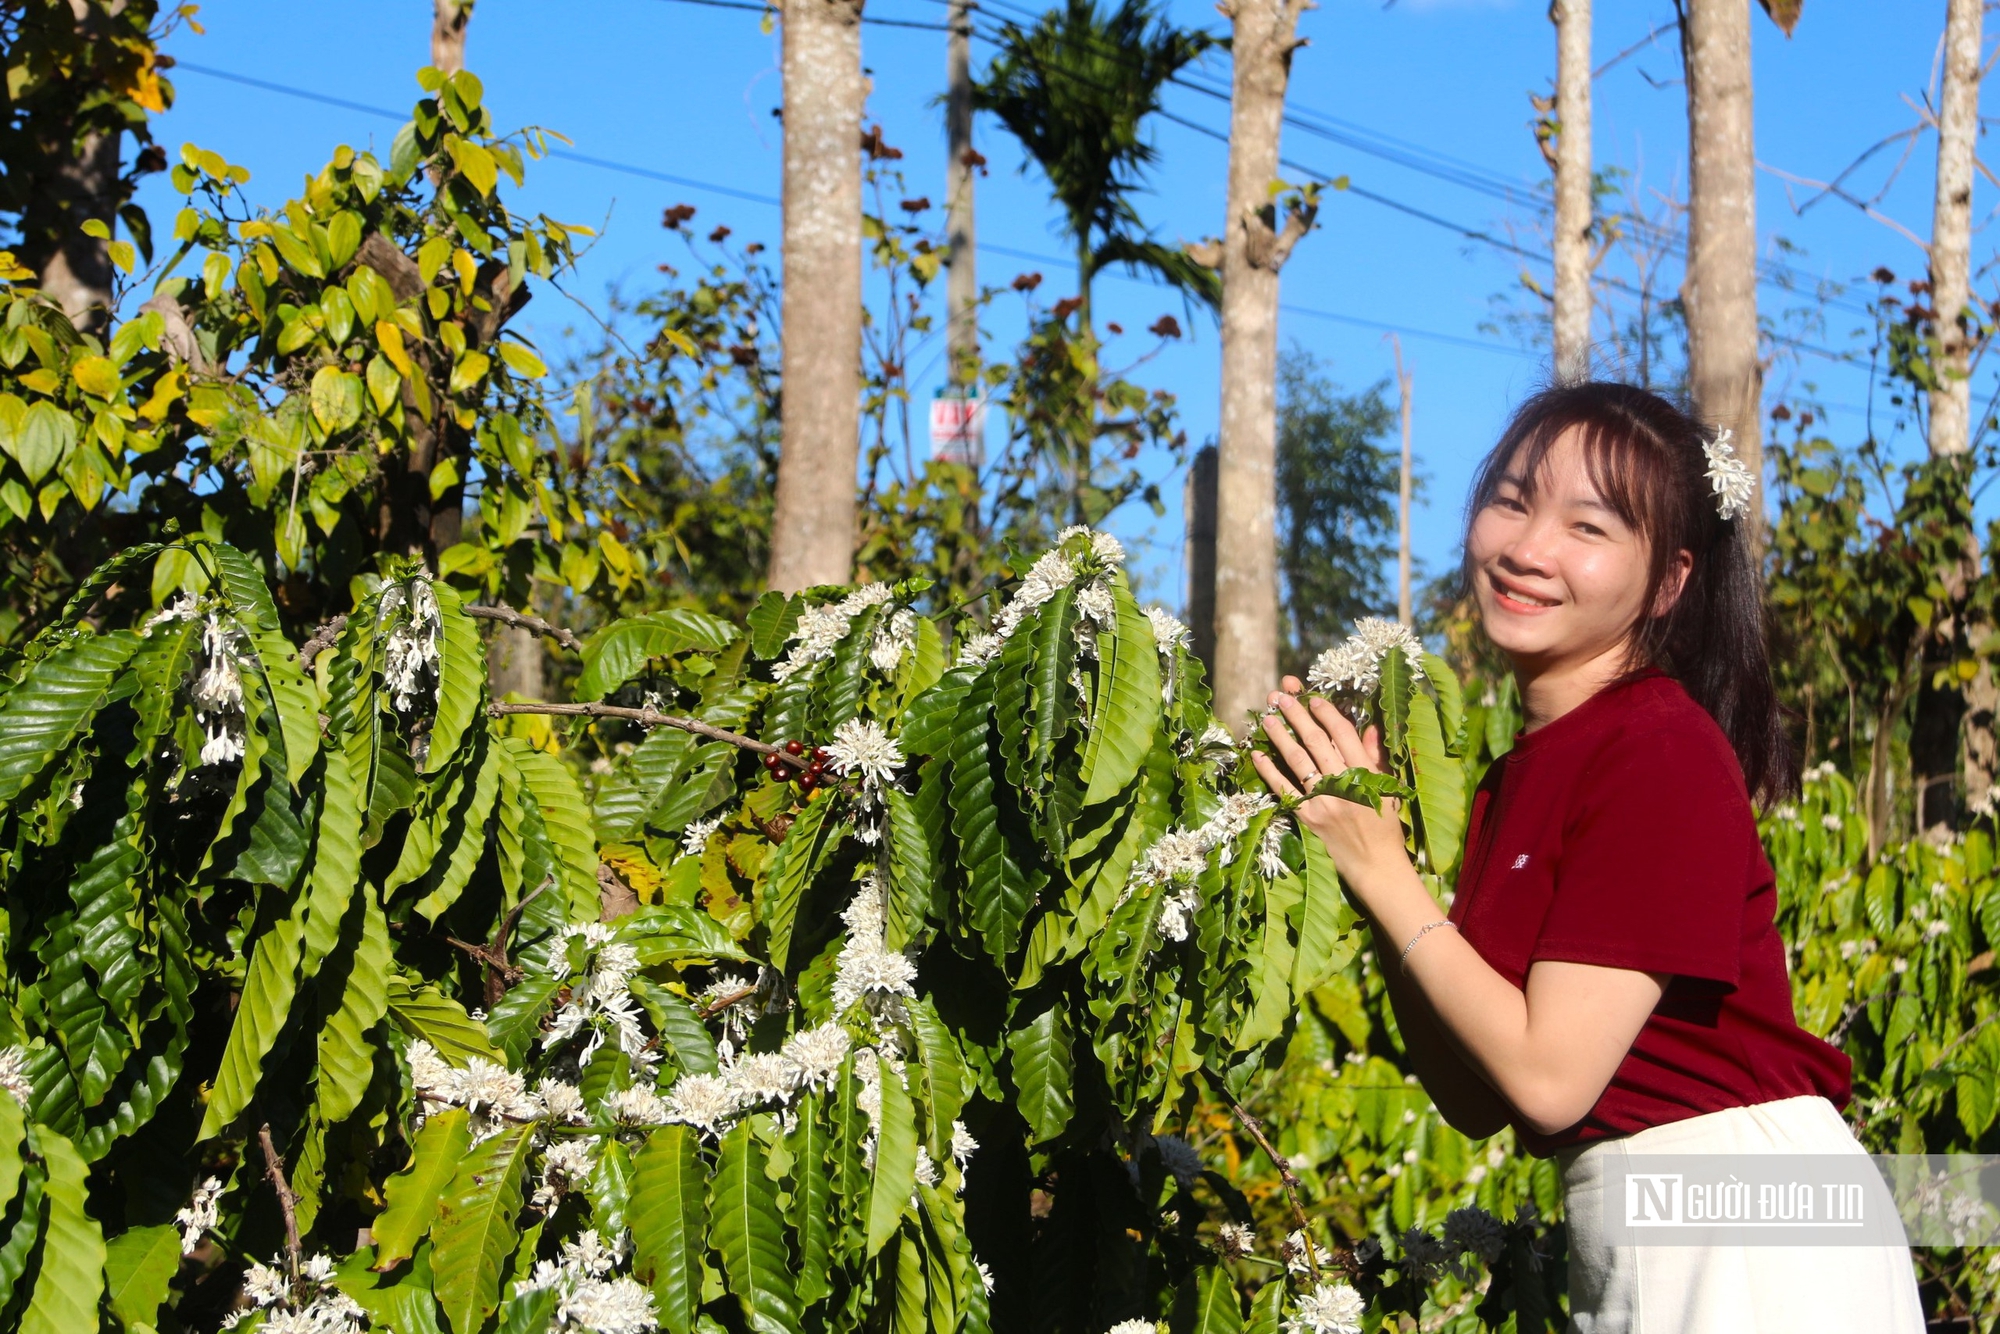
x=1609, y=978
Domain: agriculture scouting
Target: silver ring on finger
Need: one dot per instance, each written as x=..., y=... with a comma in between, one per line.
x=1309, y=778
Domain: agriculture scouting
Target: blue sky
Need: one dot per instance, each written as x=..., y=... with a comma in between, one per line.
x=683, y=90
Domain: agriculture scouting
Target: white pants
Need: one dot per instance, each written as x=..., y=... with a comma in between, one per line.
x=1729, y=1289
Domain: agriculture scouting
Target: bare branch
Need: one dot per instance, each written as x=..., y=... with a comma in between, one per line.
x=322, y=639
x=654, y=718
x=1298, y=222
x=1832, y=188
x=522, y=621
x=288, y=1203
x=1345, y=1258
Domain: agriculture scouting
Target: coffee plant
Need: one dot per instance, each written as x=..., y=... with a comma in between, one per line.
x=829, y=979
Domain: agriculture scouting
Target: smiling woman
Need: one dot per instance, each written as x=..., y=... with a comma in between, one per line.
x=1614, y=983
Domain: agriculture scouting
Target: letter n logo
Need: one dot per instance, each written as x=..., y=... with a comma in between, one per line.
x=1653, y=1199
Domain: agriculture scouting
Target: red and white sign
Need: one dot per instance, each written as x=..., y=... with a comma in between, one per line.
x=958, y=430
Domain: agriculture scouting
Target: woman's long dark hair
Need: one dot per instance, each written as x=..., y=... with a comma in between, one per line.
x=1646, y=458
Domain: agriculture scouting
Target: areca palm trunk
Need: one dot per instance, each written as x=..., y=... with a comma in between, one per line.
x=1962, y=728
x=1951, y=226
x=962, y=282
x=812, y=538
x=1573, y=192
x=1253, y=250
x=448, y=22
x=1720, y=289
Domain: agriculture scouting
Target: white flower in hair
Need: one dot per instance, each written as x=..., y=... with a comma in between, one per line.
x=1728, y=477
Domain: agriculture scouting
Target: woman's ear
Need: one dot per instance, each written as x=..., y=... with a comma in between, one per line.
x=1674, y=584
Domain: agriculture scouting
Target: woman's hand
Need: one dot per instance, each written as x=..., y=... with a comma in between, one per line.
x=1313, y=739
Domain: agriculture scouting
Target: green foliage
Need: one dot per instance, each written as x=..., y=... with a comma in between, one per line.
x=1336, y=490
x=760, y=1027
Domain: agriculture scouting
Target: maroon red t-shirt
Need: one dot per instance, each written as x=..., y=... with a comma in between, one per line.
x=1621, y=834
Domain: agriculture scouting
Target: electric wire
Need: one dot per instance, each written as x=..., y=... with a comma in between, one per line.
x=687, y=182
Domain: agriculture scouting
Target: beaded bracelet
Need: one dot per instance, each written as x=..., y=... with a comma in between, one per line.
x=1404, y=958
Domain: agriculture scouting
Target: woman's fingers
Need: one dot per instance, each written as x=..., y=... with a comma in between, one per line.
x=1298, y=764
x=1371, y=743
x=1325, y=757
x=1267, y=769
x=1341, y=730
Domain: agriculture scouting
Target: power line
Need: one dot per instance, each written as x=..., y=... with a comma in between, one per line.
x=687, y=182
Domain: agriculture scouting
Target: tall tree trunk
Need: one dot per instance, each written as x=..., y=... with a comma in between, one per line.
x=1955, y=725
x=448, y=20
x=1720, y=290
x=1198, y=504
x=1951, y=226
x=1573, y=163
x=1405, y=484
x=961, y=164
x=1254, y=248
x=75, y=270
x=812, y=540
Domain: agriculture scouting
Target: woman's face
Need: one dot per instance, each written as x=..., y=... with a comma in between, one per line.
x=1559, y=576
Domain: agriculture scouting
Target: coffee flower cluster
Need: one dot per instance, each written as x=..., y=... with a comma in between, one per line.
x=1355, y=666
x=1179, y=857
x=1056, y=570
x=820, y=629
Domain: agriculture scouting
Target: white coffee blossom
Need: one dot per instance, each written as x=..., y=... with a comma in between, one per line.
x=706, y=1102
x=927, y=1168
x=819, y=629
x=200, y=1214
x=410, y=656
x=1356, y=665
x=564, y=1167
x=217, y=690
x=861, y=747
x=492, y=1093
x=588, y=1296
x=1177, y=910
x=866, y=967
x=317, y=1308
x=762, y=1077
x=963, y=1145
x=641, y=1106
x=1133, y=1327
x=1177, y=854
x=894, y=636
x=1271, y=849
x=1330, y=1308
x=1168, y=632
x=816, y=1053
x=1233, y=1239
x=985, y=1276
x=1179, y=1158
x=1729, y=478
x=694, y=839
x=1214, y=746
x=1473, y=1229
x=1293, y=1252
x=1094, y=602
x=560, y=1101
x=599, y=999
x=980, y=648
x=1105, y=549
x=14, y=1075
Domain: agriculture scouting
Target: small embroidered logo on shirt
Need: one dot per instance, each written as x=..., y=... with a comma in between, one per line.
x=1520, y=861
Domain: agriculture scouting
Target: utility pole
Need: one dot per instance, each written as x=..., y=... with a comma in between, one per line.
x=962, y=281
x=1405, y=612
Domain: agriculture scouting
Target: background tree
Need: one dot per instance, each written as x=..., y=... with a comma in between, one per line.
x=1575, y=177
x=1258, y=234
x=812, y=532
x=1719, y=291
x=1337, y=484
x=448, y=23
x=82, y=77
x=1076, y=88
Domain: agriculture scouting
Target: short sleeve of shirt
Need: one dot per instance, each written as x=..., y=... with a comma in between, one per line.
x=1654, y=865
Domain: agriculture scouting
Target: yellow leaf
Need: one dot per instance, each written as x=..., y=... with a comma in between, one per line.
x=443, y=477
x=42, y=380
x=522, y=361
x=681, y=341
x=95, y=375
x=390, y=338
x=165, y=390
x=384, y=385
x=462, y=265
x=469, y=371
x=336, y=398
x=474, y=162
